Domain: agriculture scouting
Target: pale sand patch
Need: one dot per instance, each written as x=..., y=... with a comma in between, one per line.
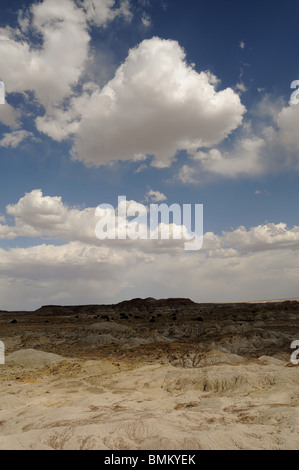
x=64, y=403
x=32, y=359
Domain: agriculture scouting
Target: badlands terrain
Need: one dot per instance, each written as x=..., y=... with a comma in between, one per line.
x=150, y=374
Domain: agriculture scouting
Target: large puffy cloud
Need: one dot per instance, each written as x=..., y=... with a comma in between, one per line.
x=62, y=28
x=155, y=105
x=49, y=52
x=36, y=215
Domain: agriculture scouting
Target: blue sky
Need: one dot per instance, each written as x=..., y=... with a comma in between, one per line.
x=158, y=100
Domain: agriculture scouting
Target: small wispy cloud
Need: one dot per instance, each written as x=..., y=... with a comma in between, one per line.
x=155, y=196
x=241, y=87
x=13, y=139
x=141, y=168
x=146, y=20
x=260, y=192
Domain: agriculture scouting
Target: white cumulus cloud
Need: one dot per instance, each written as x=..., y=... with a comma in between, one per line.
x=155, y=105
x=51, y=68
x=49, y=51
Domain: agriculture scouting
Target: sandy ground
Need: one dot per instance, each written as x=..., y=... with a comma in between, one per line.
x=150, y=374
x=227, y=402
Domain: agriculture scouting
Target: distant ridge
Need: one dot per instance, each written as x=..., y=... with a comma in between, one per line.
x=172, y=302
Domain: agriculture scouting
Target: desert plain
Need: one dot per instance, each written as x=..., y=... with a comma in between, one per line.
x=150, y=374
